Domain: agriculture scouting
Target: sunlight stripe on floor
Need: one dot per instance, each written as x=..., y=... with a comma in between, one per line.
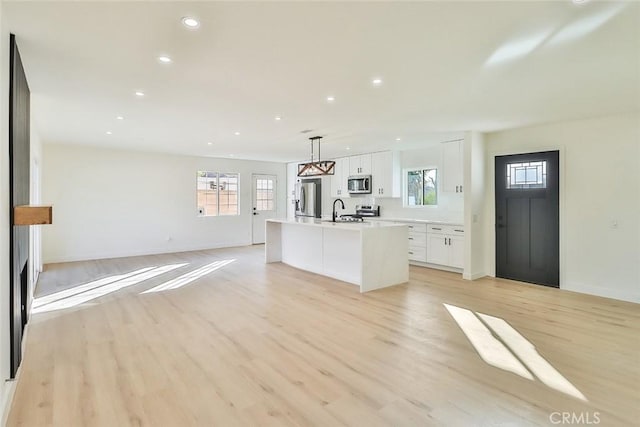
x=187, y=278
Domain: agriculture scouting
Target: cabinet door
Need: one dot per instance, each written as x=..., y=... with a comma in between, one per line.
x=381, y=174
x=456, y=251
x=354, y=165
x=339, y=179
x=365, y=164
x=437, y=250
x=360, y=165
x=336, y=179
x=452, y=167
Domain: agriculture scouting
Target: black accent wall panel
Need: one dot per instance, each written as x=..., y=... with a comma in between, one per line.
x=19, y=174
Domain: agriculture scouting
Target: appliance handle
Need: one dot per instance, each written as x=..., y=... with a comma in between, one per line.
x=302, y=200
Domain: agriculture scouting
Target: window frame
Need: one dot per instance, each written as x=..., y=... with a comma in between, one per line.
x=217, y=191
x=405, y=189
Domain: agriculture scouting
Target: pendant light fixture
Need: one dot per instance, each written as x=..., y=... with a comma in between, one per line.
x=319, y=167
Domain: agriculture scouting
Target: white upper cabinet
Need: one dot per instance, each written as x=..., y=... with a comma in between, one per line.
x=360, y=165
x=452, y=167
x=385, y=174
x=339, y=178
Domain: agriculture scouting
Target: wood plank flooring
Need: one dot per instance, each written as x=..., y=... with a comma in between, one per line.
x=256, y=344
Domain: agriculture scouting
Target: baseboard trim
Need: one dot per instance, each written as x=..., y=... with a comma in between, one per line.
x=10, y=384
x=474, y=276
x=601, y=292
x=157, y=251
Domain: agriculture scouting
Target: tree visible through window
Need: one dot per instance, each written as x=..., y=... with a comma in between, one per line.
x=217, y=193
x=422, y=187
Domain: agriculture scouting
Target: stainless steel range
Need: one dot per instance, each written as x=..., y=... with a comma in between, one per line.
x=362, y=212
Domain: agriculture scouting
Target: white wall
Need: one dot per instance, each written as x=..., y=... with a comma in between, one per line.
x=5, y=387
x=35, y=231
x=474, y=199
x=599, y=185
x=114, y=203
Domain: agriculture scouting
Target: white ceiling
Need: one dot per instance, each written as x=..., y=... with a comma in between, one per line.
x=446, y=67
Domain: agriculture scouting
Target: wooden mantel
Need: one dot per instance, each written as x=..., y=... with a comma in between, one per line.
x=32, y=215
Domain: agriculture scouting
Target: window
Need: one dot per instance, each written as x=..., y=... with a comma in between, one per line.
x=527, y=175
x=217, y=193
x=421, y=187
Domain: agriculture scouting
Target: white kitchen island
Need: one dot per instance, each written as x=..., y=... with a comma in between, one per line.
x=370, y=255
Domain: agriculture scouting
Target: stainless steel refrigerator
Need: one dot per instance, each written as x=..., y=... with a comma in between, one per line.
x=308, y=198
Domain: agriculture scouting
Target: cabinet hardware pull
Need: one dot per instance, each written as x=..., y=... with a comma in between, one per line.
x=410, y=238
x=434, y=228
x=461, y=188
x=410, y=253
x=449, y=241
x=460, y=231
x=456, y=188
x=445, y=240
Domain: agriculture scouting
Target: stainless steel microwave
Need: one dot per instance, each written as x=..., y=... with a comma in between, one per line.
x=359, y=184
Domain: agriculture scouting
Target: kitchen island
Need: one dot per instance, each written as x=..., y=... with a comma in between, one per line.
x=372, y=255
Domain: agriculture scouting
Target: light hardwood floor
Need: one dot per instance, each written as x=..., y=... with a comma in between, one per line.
x=256, y=344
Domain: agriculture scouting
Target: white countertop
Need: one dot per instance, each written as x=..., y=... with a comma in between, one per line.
x=417, y=221
x=315, y=222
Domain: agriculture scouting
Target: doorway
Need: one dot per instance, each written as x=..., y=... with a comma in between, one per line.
x=527, y=218
x=264, y=204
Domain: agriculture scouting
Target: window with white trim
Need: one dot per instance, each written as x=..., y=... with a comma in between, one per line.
x=421, y=187
x=217, y=193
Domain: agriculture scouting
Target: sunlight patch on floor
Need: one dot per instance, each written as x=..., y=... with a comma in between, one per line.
x=511, y=352
x=490, y=349
x=189, y=277
x=96, y=289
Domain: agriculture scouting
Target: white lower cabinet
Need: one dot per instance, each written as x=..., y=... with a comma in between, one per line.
x=417, y=242
x=445, y=245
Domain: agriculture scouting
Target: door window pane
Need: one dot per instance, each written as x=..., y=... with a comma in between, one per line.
x=527, y=175
x=264, y=194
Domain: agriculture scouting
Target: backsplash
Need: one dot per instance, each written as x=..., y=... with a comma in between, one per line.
x=450, y=207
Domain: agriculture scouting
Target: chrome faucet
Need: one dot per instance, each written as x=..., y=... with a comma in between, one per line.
x=334, y=208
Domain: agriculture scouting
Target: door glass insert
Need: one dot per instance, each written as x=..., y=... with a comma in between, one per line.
x=264, y=194
x=527, y=175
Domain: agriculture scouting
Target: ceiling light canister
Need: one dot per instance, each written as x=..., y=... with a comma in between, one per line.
x=191, y=23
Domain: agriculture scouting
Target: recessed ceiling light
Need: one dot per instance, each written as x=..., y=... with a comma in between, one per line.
x=191, y=23
x=278, y=118
x=109, y=132
x=209, y=143
x=119, y=118
x=236, y=133
x=348, y=148
x=230, y=155
x=164, y=59
x=377, y=81
x=580, y=1
x=330, y=98
x=398, y=139
x=139, y=93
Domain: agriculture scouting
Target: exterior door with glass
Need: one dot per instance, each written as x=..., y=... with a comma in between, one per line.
x=264, y=204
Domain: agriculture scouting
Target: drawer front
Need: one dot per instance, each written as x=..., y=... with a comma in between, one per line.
x=418, y=254
x=437, y=229
x=456, y=230
x=417, y=228
x=417, y=239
